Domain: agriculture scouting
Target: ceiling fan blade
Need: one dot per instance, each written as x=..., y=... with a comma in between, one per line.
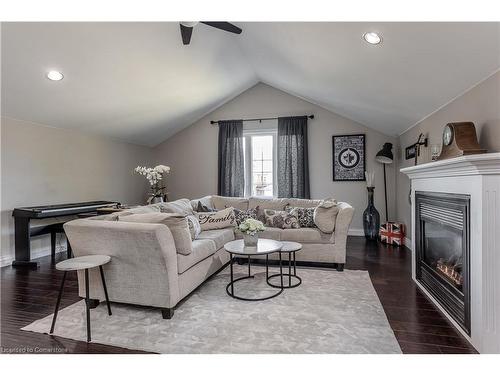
x=186, y=34
x=226, y=26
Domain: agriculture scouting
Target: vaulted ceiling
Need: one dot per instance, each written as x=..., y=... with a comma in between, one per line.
x=138, y=83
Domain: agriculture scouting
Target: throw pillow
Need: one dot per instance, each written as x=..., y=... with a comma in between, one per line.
x=304, y=215
x=202, y=208
x=325, y=215
x=281, y=219
x=217, y=220
x=242, y=215
x=194, y=226
x=180, y=206
x=206, y=201
x=177, y=224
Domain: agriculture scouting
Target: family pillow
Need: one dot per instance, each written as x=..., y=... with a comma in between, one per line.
x=217, y=220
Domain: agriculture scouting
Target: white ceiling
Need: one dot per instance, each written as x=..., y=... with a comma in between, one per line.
x=137, y=82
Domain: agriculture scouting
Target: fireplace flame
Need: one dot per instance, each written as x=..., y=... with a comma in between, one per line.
x=451, y=270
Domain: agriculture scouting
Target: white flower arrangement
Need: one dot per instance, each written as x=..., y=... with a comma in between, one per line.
x=154, y=176
x=251, y=227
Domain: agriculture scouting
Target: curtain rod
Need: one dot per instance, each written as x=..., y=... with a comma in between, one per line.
x=259, y=119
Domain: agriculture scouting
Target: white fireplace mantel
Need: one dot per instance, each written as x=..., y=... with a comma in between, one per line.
x=481, y=164
x=479, y=177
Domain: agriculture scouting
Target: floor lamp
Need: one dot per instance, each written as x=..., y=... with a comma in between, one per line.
x=385, y=156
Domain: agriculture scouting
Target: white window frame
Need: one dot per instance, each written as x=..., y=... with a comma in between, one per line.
x=247, y=136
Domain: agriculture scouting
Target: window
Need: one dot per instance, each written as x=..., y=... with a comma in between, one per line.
x=260, y=163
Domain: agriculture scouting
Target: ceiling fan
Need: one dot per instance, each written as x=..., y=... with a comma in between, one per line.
x=187, y=28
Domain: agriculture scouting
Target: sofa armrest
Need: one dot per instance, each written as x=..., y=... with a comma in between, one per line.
x=143, y=267
x=342, y=223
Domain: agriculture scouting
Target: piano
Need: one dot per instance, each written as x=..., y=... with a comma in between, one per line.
x=24, y=231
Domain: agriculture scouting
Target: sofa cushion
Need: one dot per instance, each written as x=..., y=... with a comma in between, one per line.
x=281, y=219
x=139, y=210
x=177, y=224
x=180, y=206
x=325, y=215
x=218, y=236
x=217, y=220
x=224, y=202
x=305, y=203
x=202, y=249
x=306, y=235
x=204, y=201
x=269, y=233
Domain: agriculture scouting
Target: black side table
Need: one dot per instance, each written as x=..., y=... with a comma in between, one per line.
x=291, y=248
x=82, y=263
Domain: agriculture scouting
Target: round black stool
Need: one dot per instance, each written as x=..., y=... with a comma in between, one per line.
x=83, y=263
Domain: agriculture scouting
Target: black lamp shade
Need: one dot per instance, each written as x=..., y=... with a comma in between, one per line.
x=385, y=155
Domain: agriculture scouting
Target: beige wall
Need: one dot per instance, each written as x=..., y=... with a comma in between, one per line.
x=481, y=105
x=45, y=165
x=192, y=153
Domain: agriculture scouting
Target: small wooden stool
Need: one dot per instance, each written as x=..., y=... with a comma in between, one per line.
x=82, y=263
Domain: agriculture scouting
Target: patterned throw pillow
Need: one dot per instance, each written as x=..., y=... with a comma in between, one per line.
x=202, y=208
x=281, y=219
x=194, y=226
x=217, y=220
x=304, y=215
x=242, y=215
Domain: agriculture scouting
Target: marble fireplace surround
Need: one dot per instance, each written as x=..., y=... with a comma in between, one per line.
x=479, y=177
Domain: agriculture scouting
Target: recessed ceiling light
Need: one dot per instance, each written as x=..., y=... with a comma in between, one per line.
x=372, y=38
x=54, y=75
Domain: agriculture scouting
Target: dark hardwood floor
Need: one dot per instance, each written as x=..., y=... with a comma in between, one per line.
x=419, y=327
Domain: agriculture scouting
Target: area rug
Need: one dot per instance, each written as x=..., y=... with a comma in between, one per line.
x=331, y=312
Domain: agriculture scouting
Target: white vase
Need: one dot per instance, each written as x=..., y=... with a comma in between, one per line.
x=250, y=240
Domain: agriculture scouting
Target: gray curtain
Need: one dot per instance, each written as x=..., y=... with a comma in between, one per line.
x=231, y=165
x=293, y=160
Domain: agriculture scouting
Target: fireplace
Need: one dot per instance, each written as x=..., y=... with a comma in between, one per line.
x=443, y=251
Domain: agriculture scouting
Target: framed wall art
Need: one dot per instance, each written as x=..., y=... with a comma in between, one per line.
x=349, y=158
x=410, y=152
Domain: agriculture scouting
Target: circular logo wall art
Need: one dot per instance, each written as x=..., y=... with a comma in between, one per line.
x=349, y=157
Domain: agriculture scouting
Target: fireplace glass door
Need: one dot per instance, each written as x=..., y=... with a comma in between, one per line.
x=442, y=251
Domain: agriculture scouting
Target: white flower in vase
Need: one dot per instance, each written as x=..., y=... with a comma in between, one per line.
x=154, y=176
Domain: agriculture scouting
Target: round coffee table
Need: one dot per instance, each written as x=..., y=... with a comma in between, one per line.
x=290, y=248
x=264, y=247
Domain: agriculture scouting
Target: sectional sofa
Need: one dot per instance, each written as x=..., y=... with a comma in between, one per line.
x=146, y=269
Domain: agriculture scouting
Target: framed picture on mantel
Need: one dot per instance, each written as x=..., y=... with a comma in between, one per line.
x=349, y=159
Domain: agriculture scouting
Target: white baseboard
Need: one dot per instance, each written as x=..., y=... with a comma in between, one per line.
x=356, y=232
x=408, y=243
